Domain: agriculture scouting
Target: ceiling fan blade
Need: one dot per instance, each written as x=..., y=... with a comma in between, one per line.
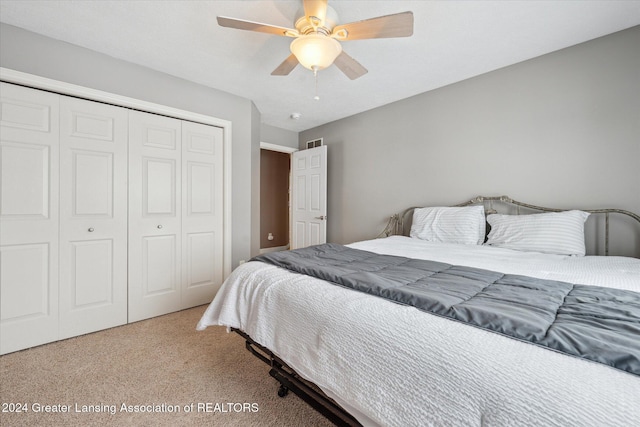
x=349, y=66
x=397, y=25
x=241, y=24
x=286, y=67
x=315, y=11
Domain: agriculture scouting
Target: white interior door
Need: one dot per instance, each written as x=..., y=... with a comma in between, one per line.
x=309, y=197
x=93, y=216
x=202, y=214
x=29, y=136
x=155, y=189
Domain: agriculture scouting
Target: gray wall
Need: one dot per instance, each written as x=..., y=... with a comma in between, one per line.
x=255, y=180
x=561, y=130
x=278, y=136
x=32, y=53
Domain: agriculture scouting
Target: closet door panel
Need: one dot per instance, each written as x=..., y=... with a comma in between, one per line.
x=92, y=183
x=200, y=268
x=29, y=149
x=93, y=223
x=155, y=244
x=159, y=260
x=201, y=213
x=159, y=187
x=91, y=276
x=25, y=278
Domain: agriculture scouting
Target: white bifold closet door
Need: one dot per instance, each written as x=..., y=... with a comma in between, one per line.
x=202, y=213
x=28, y=217
x=155, y=191
x=107, y=216
x=93, y=216
x=175, y=214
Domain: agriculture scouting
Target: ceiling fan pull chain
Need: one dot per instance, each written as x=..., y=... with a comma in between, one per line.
x=315, y=74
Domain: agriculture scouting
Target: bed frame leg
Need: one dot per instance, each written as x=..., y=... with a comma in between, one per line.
x=283, y=391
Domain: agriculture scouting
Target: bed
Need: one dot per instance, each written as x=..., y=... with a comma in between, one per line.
x=363, y=359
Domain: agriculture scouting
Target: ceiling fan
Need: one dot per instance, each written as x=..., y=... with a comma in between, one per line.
x=317, y=36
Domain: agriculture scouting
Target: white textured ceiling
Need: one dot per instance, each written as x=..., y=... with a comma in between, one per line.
x=452, y=41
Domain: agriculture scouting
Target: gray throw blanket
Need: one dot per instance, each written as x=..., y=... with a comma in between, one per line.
x=591, y=322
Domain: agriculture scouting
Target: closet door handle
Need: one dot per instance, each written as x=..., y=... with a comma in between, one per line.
x=90, y=230
x=160, y=226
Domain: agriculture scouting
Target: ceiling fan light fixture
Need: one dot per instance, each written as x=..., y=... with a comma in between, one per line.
x=315, y=51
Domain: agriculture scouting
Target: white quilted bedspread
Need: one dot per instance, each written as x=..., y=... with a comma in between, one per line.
x=394, y=365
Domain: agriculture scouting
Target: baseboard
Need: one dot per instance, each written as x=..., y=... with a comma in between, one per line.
x=274, y=249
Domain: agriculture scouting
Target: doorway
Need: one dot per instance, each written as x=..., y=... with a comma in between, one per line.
x=275, y=186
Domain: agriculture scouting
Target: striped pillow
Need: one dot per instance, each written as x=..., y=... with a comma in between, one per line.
x=552, y=233
x=463, y=225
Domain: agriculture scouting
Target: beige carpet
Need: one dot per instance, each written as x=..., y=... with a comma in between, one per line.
x=161, y=362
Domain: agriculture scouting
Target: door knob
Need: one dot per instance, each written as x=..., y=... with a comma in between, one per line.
x=160, y=226
x=321, y=217
x=90, y=230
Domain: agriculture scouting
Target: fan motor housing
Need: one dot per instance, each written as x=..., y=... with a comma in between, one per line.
x=304, y=26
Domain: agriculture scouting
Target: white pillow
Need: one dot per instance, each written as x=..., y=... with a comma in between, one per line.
x=553, y=233
x=464, y=225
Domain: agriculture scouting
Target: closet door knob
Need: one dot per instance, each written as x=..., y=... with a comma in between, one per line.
x=90, y=230
x=160, y=226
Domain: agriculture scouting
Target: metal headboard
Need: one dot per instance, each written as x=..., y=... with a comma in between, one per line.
x=398, y=222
